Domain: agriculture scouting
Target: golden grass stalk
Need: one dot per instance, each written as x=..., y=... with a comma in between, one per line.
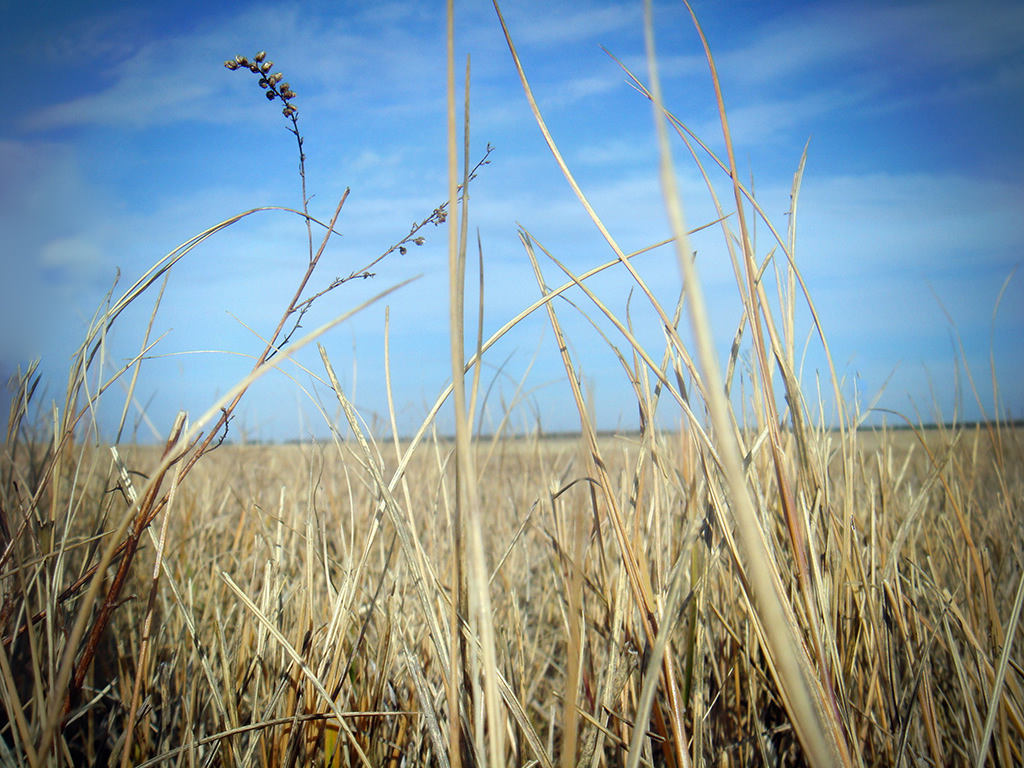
x=639, y=584
x=806, y=699
x=468, y=520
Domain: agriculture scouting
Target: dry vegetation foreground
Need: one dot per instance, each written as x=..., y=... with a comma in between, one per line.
x=296, y=587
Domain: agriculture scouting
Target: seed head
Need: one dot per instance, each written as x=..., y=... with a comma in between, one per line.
x=270, y=83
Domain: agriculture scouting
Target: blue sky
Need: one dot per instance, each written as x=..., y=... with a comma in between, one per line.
x=125, y=136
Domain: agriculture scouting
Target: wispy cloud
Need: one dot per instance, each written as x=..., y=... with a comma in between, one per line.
x=876, y=59
x=585, y=87
x=104, y=36
x=161, y=82
x=552, y=25
x=135, y=101
x=916, y=37
x=882, y=224
x=758, y=121
x=176, y=78
x=77, y=255
x=52, y=265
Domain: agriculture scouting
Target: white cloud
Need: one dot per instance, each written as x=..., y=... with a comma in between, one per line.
x=583, y=87
x=161, y=82
x=53, y=269
x=757, y=122
x=136, y=101
x=915, y=224
x=635, y=151
x=178, y=77
x=373, y=160
x=556, y=26
x=670, y=65
x=875, y=58
x=90, y=38
x=917, y=37
x=77, y=255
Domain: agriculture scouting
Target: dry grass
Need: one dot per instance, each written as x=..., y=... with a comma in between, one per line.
x=752, y=588
x=295, y=528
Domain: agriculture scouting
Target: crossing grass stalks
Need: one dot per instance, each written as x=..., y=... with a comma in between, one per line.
x=752, y=586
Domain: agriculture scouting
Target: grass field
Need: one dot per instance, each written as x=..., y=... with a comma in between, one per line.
x=756, y=587
x=279, y=568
